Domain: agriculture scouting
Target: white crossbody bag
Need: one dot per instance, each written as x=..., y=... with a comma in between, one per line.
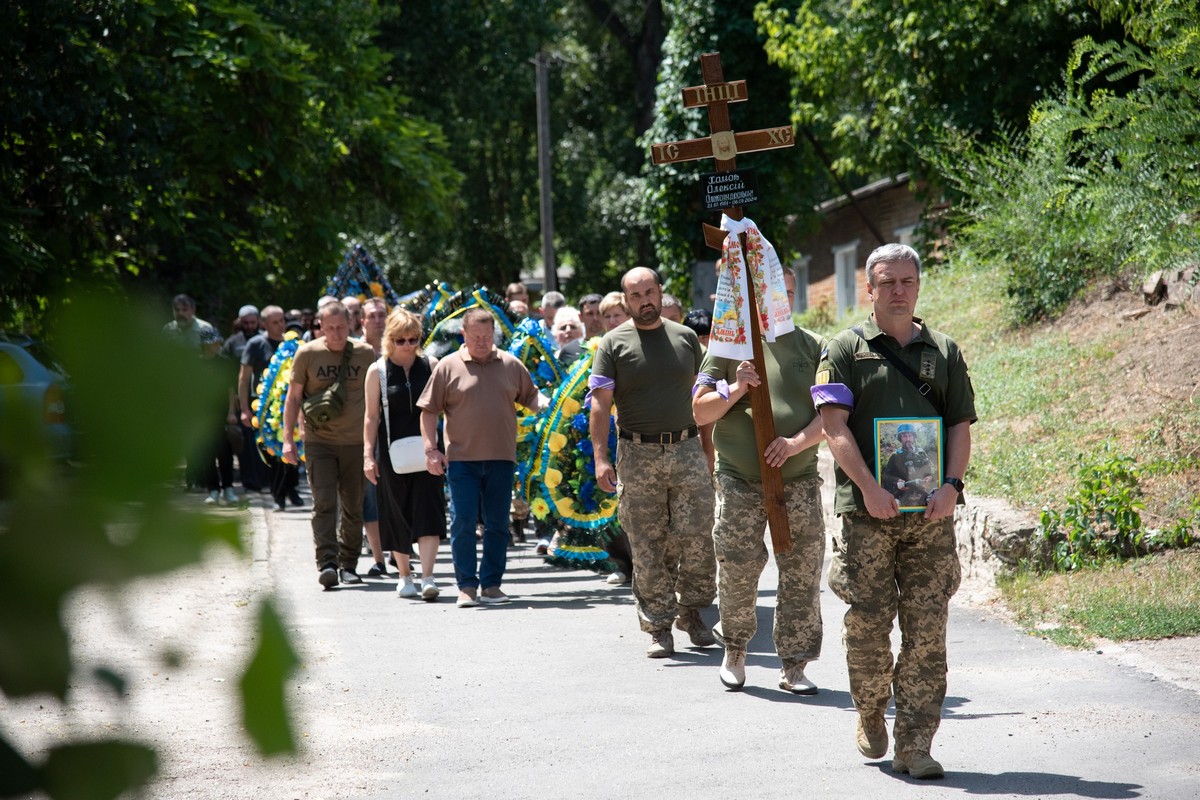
x=407, y=453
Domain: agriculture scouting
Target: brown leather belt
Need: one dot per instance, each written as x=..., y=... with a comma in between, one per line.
x=674, y=437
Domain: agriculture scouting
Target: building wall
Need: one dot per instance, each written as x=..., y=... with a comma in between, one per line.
x=895, y=212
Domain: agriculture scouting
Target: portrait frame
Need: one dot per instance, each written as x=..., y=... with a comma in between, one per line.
x=898, y=474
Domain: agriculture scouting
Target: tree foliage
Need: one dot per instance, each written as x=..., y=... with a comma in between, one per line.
x=879, y=80
x=115, y=514
x=214, y=147
x=467, y=66
x=603, y=68
x=789, y=180
x=1106, y=176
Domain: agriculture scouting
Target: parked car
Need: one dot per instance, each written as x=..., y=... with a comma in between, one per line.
x=30, y=373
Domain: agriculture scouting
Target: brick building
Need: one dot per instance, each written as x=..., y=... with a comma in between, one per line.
x=830, y=266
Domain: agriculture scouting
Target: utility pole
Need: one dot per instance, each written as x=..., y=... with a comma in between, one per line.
x=542, y=63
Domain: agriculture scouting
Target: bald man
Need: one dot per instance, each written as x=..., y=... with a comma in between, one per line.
x=666, y=491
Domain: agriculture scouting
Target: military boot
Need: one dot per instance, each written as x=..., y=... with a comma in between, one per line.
x=689, y=622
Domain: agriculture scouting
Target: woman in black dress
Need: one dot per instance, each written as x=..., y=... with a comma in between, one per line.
x=411, y=504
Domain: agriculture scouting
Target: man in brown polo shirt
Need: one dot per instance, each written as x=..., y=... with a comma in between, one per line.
x=333, y=452
x=475, y=389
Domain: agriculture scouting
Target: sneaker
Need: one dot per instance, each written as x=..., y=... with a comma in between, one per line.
x=690, y=623
x=349, y=576
x=377, y=570
x=230, y=496
x=492, y=596
x=919, y=764
x=617, y=578
x=295, y=498
x=871, y=735
x=662, y=644
x=328, y=577
x=213, y=498
x=543, y=546
x=466, y=598
x=733, y=669
x=791, y=678
x=406, y=588
x=429, y=589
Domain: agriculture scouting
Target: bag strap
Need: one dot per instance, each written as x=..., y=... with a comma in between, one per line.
x=338, y=387
x=381, y=368
x=923, y=388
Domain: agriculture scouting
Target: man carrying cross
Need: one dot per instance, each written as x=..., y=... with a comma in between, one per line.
x=722, y=396
x=666, y=493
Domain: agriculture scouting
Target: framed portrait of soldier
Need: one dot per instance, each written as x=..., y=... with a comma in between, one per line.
x=908, y=458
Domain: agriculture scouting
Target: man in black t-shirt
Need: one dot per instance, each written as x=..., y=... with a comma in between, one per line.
x=256, y=356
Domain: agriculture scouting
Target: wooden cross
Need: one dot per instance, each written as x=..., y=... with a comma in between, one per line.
x=724, y=145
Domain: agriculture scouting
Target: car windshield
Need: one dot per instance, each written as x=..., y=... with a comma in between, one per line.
x=45, y=356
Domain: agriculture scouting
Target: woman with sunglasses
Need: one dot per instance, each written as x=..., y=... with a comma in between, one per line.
x=411, y=504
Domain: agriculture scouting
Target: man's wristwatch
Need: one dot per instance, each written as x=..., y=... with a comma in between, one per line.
x=955, y=482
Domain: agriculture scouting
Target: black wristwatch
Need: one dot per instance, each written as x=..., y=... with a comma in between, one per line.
x=956, y=483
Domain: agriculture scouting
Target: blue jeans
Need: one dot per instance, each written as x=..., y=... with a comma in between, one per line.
x=477, y=486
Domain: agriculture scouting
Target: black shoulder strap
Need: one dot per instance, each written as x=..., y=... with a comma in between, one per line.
x=347, y=351
x=339, y=383
x=924, y=388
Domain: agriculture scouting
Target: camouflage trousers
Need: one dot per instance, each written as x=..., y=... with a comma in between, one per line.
x=881, y=568
x=666, y=508
x=741, y=518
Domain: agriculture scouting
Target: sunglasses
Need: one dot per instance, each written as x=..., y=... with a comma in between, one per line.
x=402, y=341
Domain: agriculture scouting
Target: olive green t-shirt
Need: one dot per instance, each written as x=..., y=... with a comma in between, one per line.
x=790, y=363
x=881, y=390
x=316, y=366
x=653, y=371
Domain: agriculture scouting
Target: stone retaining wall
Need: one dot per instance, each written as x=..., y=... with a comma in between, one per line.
x=992, y=536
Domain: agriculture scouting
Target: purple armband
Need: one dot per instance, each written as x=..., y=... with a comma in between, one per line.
x=832, y=393
x=704, y=379
x=598, y=382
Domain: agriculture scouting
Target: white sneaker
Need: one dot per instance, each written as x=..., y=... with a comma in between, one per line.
x=429, y=589
x=617, y=578
x=733, y=669
x=791, y=678
x=406, y=587
x=213, y=498
x=231, y=496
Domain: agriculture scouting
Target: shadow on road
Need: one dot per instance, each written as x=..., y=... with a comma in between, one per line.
x=1034, y=784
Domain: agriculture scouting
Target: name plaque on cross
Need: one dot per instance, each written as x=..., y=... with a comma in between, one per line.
x=727, y=189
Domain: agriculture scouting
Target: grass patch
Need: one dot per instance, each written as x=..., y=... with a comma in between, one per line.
x=1151, y=598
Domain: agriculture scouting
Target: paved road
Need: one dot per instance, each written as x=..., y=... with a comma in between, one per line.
x=553, y=697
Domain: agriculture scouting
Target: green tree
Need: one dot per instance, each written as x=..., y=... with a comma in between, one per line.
x=877, y=81
x=604, y=60
x=788, y=179
x=116, y=516
x=215, y=147
x=604, y=101
x=467, y=66
x=1105, y=177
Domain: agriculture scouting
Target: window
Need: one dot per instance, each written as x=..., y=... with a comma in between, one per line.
x=800, y=267
x=845, y=265
x=904, y=235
